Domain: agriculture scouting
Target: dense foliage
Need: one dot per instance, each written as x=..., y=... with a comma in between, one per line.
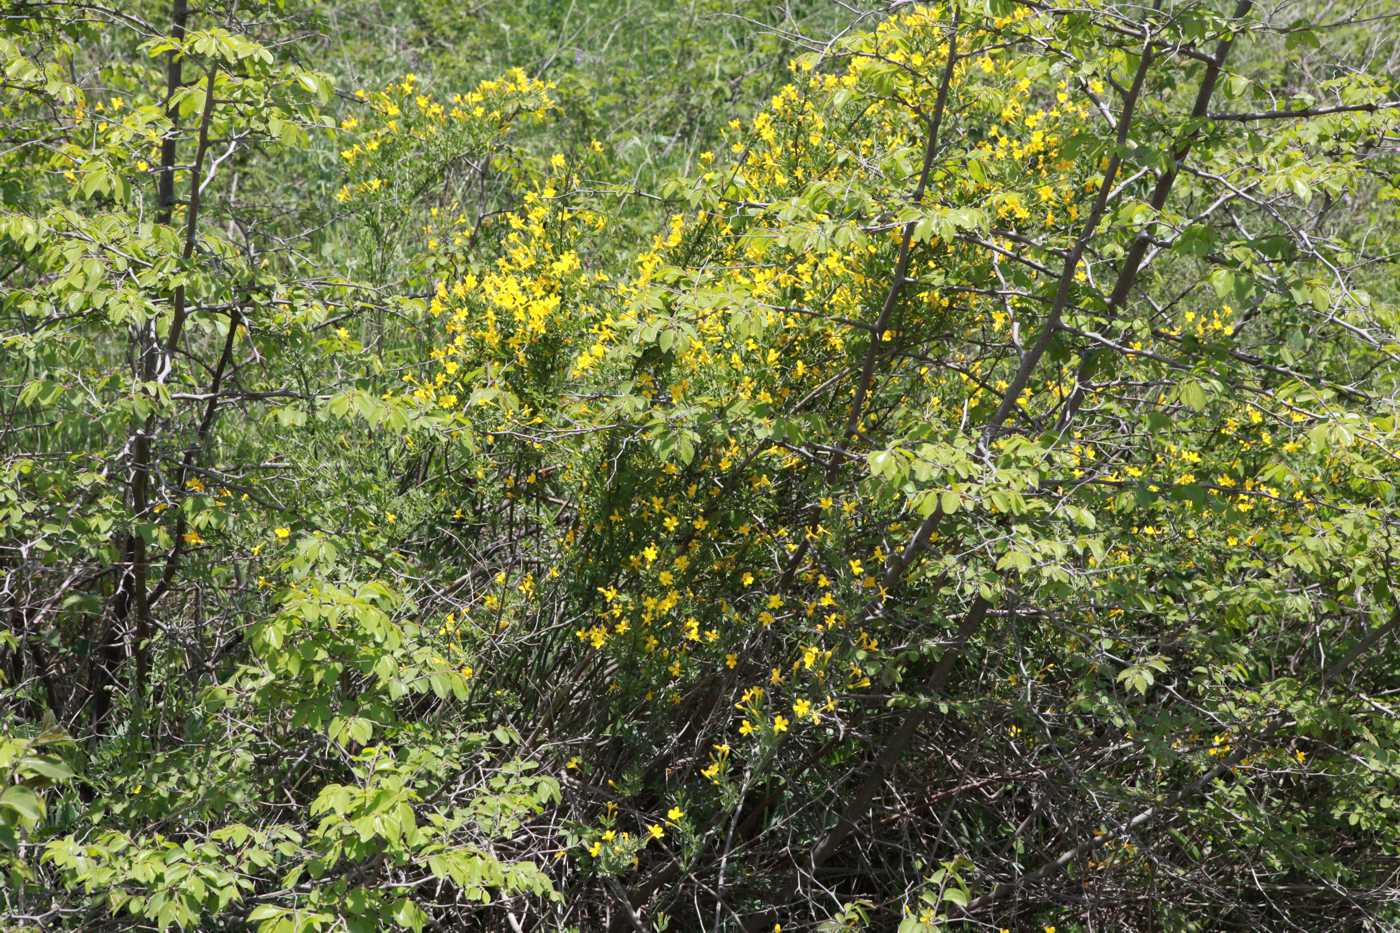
x=708, y=466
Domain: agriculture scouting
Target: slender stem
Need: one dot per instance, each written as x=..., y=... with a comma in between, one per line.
x=896, y=744
x=851, y=430
x=134, y=579
x=1132, y=261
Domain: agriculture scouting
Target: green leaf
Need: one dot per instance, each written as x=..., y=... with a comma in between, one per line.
x=410, y=915
x=1192, y=394
x=1196, y=240
x=53, y=769
x=23, y=801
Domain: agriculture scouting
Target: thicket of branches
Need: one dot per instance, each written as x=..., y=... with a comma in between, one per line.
x=709, y=466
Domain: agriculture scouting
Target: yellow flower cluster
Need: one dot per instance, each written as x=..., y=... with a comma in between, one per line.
x=401, y=120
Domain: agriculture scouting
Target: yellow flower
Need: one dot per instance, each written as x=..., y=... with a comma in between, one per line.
x=674, y=814
x=780, y=723
x=656, y=831
x=282, y=533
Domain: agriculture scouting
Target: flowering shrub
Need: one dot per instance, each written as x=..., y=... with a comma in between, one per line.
x=966, y=501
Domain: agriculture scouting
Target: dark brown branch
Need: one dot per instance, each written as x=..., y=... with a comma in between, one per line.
x=1303, y=114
